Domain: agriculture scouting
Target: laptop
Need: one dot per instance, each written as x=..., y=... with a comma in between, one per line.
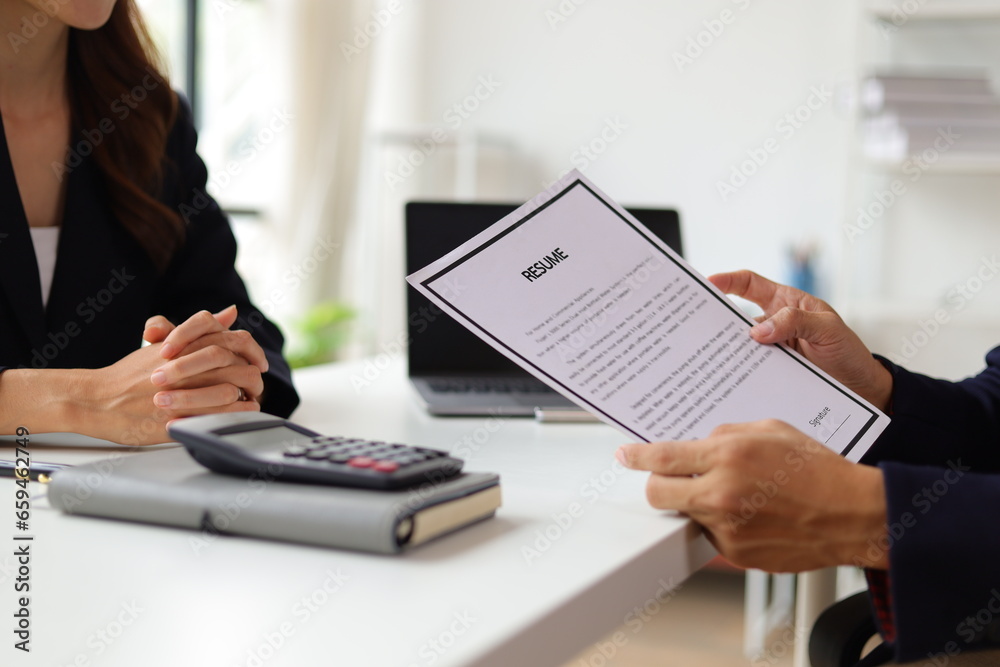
x=453, y=371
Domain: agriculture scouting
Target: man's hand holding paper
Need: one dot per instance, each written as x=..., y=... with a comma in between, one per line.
x=813, y=329
x=579, y=293
x=768, y=496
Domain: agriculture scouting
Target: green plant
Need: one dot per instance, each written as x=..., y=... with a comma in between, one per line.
x=320, y=334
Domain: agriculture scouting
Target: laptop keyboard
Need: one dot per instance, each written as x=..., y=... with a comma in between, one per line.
x=488, y=386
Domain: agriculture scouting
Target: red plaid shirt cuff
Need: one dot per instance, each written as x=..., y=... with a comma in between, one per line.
x=880, y=589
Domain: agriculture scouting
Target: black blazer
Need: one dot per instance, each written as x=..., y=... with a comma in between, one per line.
x=105, y=287
x=940, y=457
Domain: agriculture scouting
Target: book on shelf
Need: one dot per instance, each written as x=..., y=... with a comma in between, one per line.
x=946, y=113
x=907, y=114
x=881, y=90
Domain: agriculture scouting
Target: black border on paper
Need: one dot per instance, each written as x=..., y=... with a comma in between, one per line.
x=580, y=399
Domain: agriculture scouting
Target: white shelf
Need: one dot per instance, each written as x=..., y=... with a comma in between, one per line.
x=969, y=176
x=940, y=11
x=947, y=163
x=895, y=312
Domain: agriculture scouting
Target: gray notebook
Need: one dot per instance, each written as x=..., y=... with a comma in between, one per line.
x=170, y=488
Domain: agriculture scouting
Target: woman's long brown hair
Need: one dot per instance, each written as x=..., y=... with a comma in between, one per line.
x=114, y=82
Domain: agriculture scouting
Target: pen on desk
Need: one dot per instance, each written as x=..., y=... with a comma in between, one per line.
x=564, y=415
x=37, y=472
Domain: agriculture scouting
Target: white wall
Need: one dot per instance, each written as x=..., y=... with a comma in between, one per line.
x=561, y=82
x=687, y=127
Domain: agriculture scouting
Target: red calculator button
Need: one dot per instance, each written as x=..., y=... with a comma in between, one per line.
x=361, y=462
x=386, y=466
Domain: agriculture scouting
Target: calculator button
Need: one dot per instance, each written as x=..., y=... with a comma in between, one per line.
x=339, y=457
x=317, y=454
x=295, y=451
x=361, y=462
x=386, y=466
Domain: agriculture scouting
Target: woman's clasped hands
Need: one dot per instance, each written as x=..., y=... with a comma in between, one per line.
x=198, y=367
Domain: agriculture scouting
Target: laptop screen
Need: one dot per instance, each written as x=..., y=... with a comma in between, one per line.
x=438, y=344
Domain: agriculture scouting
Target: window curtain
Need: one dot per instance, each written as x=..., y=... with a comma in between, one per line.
x=330, y=70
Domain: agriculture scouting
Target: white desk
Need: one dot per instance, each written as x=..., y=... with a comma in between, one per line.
x=472, y=598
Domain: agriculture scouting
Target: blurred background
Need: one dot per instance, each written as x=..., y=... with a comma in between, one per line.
x=777, y=130
x=852, y=148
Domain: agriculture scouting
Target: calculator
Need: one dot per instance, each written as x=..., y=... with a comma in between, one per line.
x=248, y=443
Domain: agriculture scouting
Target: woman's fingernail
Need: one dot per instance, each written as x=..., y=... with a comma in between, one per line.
x=621, y=456
x=159, y=377
x=167, y=350
x=163, y=400
x=763, y=330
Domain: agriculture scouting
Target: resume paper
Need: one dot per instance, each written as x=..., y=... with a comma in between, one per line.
x=579, y=293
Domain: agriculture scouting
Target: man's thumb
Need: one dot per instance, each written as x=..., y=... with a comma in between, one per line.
x=789, y=323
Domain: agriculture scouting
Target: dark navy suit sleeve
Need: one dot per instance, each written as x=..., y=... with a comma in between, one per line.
x=940, y=458
x=944, y=566
x=936, y=420
x=203, y=275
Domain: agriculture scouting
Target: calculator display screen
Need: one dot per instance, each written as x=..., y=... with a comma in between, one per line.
x=267, y=436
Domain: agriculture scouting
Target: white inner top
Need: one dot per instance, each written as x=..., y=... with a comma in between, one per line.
x=46, y=242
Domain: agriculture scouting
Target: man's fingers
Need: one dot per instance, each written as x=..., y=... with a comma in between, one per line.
x=747, y=285
x=687, y=457
x=789, y=323
x=195, y=327
x=239, y=342
x=671, y=493
x=730, y=438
